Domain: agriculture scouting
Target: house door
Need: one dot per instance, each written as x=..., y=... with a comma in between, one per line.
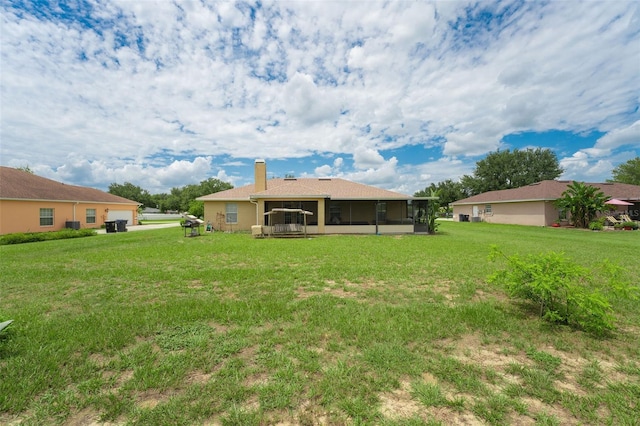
x=420, y=223
x=476, y=211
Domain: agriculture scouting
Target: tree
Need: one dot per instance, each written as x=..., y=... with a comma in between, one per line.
x=628, y=172
x=131, y=192
x=582, y=202
x=512, y=169
x=432, y=211
x=180, y=199
x=196, y=208
x=448, y=191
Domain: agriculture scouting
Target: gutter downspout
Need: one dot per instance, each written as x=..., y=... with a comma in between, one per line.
x=257, y=216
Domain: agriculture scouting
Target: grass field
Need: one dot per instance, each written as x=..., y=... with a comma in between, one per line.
x=154, y=328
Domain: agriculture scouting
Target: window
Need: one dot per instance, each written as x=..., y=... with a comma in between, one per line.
x=487, y=209
x=232, y=213
x=46, y=217
x=91, y=215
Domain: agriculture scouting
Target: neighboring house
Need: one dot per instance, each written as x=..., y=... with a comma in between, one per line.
x=325, y=205
x=30, y=203
x=534, y=204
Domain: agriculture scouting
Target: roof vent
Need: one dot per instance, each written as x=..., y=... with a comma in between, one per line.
x=290, y=178
x=325, y=178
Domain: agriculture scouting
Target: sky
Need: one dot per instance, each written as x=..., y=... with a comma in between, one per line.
x=395, y=94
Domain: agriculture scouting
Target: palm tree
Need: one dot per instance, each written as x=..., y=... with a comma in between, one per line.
x=583, y=202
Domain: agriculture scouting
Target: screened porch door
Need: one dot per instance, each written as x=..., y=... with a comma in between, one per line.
x=420, y=223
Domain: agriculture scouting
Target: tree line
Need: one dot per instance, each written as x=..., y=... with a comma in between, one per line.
x=181, y=199
x=513, y=169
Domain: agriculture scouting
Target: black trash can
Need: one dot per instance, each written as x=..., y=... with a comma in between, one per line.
x=110, y=226
x=121, y=225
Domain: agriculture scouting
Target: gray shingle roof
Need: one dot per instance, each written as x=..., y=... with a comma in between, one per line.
x=20, y=185
x=550, y=190
x=334, y=188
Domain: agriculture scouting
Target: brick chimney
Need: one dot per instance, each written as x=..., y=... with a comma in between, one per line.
x=260, y=171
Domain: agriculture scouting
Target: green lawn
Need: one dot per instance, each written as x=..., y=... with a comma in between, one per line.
x=155, y=328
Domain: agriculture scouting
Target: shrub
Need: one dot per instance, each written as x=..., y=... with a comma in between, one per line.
x=596, y=226
x=565, y=292
x=31, y=237
x=632, y=225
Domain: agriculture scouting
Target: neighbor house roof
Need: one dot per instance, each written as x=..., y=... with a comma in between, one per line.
x=20, y=185
x=550, y=190
x=333, y=188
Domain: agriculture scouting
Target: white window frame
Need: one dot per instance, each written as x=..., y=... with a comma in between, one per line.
x=47, y=217
x=487, y=209
x=231, y=213
x=91, y=218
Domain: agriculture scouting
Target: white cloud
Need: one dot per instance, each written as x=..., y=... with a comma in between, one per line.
x=620, y=137
x=324, y=170
x=305, y=102
x=153, y=81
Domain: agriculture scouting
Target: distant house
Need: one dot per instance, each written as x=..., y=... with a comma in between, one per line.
x=30, y=203
x=324, y=205
x=534, y=204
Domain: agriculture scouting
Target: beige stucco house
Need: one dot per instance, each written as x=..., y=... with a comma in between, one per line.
x=534, y=204
x=314, y=206
x=30, y=203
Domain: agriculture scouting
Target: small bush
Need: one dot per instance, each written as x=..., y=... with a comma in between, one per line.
x=596, y=226
x=32, y=237
x=564, y=291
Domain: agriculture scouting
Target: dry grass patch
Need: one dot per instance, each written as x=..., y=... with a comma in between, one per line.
x=399, y=404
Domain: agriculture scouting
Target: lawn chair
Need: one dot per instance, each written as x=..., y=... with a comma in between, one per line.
x=613, y=220
x=625, y=218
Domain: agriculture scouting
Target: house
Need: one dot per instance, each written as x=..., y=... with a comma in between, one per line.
x=30, y=203
x=534, y=204
x=314, y=206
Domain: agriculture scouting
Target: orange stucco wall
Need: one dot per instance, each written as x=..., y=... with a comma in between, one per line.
x=24, y=216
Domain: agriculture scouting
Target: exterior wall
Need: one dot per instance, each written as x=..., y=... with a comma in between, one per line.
x=24, y=215
x=395, y=229
x=350, y=229
x=527, y=213
x=246, y=215
x=458, y=210
x=369, y=229
x=534, y=213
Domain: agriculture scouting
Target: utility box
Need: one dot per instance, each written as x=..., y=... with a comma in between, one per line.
x=256, y=231
x=72, y=224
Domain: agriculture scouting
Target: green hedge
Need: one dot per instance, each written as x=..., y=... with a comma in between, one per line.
x=32, y=237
